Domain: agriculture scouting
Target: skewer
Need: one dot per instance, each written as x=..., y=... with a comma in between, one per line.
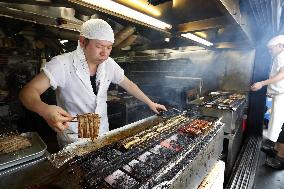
x=74, y=120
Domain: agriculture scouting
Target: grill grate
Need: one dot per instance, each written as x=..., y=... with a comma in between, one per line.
x=224, y=100
x=137, y=166
x=245, y=167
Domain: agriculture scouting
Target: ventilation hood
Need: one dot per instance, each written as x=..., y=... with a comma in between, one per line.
x=225, y=23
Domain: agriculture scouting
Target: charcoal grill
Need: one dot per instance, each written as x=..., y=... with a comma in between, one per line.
x=232, y=115
x=171, y=159
x=212, y=105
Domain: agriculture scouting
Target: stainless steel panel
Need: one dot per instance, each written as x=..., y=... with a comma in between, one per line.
x=193, y=173
x=36, y=150
x=20, y=167
x=238, y=70
x=25, y=174
x=234, y=145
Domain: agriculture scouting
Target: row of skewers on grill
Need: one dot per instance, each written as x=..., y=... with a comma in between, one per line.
x=194, y=127
x=224, y=102
x=88, y=127
x=153, y=132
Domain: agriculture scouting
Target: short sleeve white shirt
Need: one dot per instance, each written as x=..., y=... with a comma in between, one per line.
x=70, y=77
x=278, y=87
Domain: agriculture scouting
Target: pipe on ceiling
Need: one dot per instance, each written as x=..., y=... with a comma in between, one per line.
x=127, y=42
x=123, y=34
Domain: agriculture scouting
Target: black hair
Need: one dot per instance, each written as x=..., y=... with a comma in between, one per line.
x=86, y=42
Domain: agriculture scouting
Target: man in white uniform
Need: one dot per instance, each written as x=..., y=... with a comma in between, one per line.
x=71, y=74
x=275, y=89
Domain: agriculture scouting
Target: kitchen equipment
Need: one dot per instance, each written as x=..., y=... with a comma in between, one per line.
x=170, y=159
x=37, y=149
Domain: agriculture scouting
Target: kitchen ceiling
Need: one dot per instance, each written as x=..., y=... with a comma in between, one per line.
x=225, y=23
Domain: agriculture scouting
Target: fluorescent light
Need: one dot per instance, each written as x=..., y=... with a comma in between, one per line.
x=128, y=12
x=201, y=34
x=197, y=39
x=174, y=3
x=63, y=41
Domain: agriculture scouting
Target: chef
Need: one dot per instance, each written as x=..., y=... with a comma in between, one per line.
x=275, y=89
x=81, y=79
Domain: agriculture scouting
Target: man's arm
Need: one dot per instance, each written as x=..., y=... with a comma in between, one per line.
x=133, y=89
x=258, y=85
x=55, y=116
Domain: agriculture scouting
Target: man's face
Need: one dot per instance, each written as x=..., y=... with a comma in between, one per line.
x=97, y=51
x=275, y=49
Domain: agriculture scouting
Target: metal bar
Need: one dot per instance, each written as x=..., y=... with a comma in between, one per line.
x=255, y=13
x=269, y=13
x=218, y=22
x=262, y=9
x=190, y=78
x=37, y=18
x=266, y=12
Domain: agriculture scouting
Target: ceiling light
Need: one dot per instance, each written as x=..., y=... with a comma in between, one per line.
x=201, y=34
x=174, y=3
x=63, y=41
x=197, y=39
x=128, y=12
x=167, y=39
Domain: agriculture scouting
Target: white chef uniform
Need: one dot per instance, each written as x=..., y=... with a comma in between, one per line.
x=69, y=75
x=276, y=90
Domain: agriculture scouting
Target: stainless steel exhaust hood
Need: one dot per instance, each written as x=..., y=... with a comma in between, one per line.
x=225, y=23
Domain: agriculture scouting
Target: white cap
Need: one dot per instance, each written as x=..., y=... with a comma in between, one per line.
x=279, y=39
x=97, y=29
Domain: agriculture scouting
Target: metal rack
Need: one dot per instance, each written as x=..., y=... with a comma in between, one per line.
x=233, y=132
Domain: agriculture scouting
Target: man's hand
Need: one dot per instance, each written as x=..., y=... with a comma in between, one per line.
x=56, y=117
x=256, y=86
x=157, y=107
x=133, y=89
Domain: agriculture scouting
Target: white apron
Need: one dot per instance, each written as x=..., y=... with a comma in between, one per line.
x=277, y=117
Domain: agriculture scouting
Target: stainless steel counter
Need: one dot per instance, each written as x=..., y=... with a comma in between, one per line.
x=181, y=173
x=25, y=174
x=233, y=132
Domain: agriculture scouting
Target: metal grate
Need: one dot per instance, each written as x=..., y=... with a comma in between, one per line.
x=262, y=11
x=245, y=167
x=164, y=152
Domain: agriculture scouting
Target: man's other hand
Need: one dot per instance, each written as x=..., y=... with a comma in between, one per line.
x=256, y=86
x=56, y=117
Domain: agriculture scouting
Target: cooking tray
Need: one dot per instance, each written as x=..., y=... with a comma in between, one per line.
x=36, y=150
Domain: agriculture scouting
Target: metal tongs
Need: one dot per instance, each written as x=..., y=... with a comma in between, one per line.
x=170, y=113
x=75, y=119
